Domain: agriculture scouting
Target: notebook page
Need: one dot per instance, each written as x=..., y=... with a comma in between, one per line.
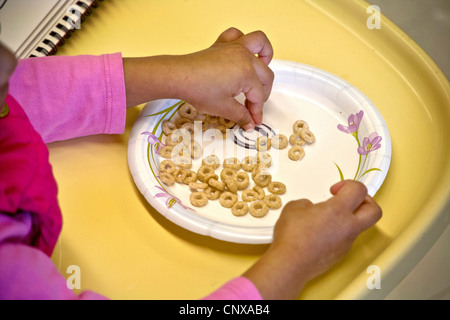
x=23, y=21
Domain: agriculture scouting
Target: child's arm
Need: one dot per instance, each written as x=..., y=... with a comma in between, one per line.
x=66, y=97
x=209, y=79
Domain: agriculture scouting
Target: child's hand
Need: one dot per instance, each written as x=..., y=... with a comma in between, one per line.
x=310, y=238
x=209, y=79
x=228, y=68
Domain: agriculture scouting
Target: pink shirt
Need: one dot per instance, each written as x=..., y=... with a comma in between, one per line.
x=63, y=98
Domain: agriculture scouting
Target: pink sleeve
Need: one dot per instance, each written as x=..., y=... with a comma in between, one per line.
x=239, y=288
x=26, y=272
x=72, y=96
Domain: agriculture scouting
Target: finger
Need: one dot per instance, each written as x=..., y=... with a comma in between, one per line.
x=348, y=194
x=368, y=213
x=266, y=76
x=261, y=88
x=255, y=102
x=239, y=114
x=255, y=110
x=230, y=34
x=258, y=43
x=336, y=187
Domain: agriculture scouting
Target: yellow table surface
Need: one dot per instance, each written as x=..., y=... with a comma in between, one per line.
x=127, y=250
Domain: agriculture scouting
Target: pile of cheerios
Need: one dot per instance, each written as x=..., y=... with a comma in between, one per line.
x=228, y=181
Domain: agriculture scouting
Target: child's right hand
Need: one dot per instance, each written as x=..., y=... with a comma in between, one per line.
x=236, y=63
x=310, y=238
x=209, y=79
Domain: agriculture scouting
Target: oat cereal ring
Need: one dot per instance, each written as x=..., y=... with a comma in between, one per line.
x=167, y=178
x=296, y=153
x=188, y=111
x=200, y=117
x=184, y=162
x=222, y=129
x=212, y=193
x=262, y=180
x=249, y=195
x=198, y=185
x=180, y=121
x=198, y=199
x=296, y=140
x=170, y=141
x=227, y=173
x=242, y=180
x=226, y=123
x=168, y=126
x=260, y=191
x=260, y=168
x=299, y=125
x=279, y=141
x=212, y=160
x=215, y=183
x=208, y=126
x=180, y=150
x=231, y=185
x=167, y=165
x=211, y=119
x=307, y=135
x=232, y=163
x=272, y=201
x=181, y=135
x=189, y=127
x=240, y=208
x=262, y=143
x=166, y=152
x=258, y=208
x=227, y=199
x=203, y=172
x=179, y=175
x=191, y=176
x=276, y=187
x=264, y=158
x=249, y=163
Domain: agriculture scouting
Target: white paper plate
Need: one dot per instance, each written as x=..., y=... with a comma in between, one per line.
x=343, y=149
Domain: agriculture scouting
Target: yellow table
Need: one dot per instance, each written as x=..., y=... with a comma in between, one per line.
x=126, y=250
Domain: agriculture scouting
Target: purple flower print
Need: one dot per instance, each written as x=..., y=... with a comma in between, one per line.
x=370, y=144
x=353, y=123
x=152, y=139
x=170, y=199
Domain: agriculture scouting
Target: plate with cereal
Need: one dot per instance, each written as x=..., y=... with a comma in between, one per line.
x=207, y=175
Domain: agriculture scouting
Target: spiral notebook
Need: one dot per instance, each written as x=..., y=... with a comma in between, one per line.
x=36, y=28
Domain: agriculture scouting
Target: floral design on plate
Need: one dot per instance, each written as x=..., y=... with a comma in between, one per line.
x=370, y=144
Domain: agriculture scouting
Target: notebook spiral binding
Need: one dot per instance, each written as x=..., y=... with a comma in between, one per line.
x=62, y=29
